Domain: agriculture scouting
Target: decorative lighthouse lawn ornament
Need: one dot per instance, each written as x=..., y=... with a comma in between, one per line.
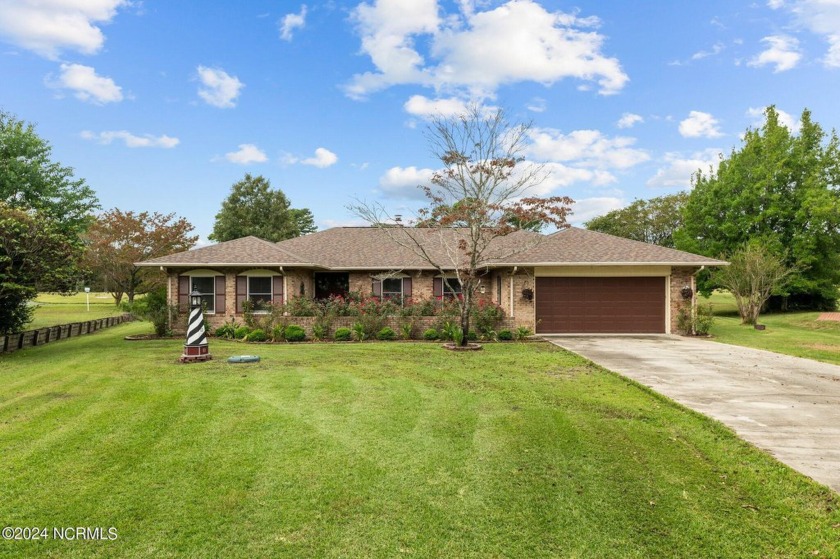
x=196, y=348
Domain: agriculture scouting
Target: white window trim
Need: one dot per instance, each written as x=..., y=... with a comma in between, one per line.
x=248, y=290
x=443, y=284
x=205, y=274
x=401, y=291
x=262, y=273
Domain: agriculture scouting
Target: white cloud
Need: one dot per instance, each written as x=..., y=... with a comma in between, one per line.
x=678, y=168
x=782, y=51
x=323, y=158
x=424, y=107
x=247, y=153
x=587, y=208
x=716, y=49
x=478, y=51
x=402, y=182
x=290, y=22
x=585, y=148
x=219, y=88
x=558, y=175
x=49, y=27
x=628, y=120
x=537, y=105
x=786, y=119
x=130, y=140
x=86, y=84
x=821, y=17
x=700, y=125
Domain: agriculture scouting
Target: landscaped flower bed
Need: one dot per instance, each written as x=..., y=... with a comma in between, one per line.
x=367, y=318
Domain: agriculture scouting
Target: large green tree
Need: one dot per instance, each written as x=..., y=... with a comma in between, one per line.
x=118, y=239
x=29, y=179
x=253, y=208
x=650, y=221
x=34, y=253
x=782, y=191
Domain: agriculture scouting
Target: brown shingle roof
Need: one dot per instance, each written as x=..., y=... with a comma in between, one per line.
x=348, y=248
x=247, y=251
x=375, y=248
x=581, y=246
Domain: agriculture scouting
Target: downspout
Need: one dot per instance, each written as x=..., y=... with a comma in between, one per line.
x=169, y=303
x=511, y=290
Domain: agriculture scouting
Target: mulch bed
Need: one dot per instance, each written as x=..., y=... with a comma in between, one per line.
x=829, y=316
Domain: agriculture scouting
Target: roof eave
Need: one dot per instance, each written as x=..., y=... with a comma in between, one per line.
x=623, y=263
x=230, y=264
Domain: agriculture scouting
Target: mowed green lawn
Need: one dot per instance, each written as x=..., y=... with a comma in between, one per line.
x=793, y=333
x=379, y=450
x=53, y=309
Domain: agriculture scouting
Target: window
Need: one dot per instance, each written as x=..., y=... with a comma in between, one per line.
x=206, y=287
x=451, y=287
x=392, y=288
x=259, y=292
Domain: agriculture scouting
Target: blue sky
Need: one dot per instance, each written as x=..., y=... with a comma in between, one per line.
x=162, y=106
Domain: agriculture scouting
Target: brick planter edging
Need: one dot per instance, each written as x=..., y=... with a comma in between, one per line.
x=421, y=324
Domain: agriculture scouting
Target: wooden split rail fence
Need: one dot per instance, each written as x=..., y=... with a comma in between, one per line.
x=41, y=336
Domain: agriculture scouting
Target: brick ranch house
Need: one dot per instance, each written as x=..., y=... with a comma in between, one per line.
x=572, y=281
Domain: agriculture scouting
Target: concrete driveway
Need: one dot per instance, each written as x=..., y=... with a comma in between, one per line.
x=785, y=405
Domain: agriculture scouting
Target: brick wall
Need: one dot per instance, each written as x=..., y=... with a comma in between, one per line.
x=422, y=288
x=681, y=277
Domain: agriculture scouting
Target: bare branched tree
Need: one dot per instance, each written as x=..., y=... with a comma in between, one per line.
x=753, y=274
x=480, y=210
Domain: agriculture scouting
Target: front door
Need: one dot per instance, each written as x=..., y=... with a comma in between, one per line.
x=329, y=284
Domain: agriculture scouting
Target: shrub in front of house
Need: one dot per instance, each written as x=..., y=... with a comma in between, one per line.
x=225, y=331
x=406, y=329
x=241, y=332
x=431, y=335
x=277, y=333
x=505, y=335
x=521, y=333
x=294, y=333
x=486, y=316
x=343, y=335
x=319, y=331
x=257, y=335
x=386, y=334
x=360, y=333
x=301, y=306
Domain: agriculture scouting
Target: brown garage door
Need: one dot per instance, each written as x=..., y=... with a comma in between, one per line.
x=600, y=305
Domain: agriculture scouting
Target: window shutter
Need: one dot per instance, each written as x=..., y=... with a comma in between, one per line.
x=277, y=290
x=220, y=295
x=437, y=288
x=241, y=292
x=376, y=289
x=184, y=293
x=406, y=287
